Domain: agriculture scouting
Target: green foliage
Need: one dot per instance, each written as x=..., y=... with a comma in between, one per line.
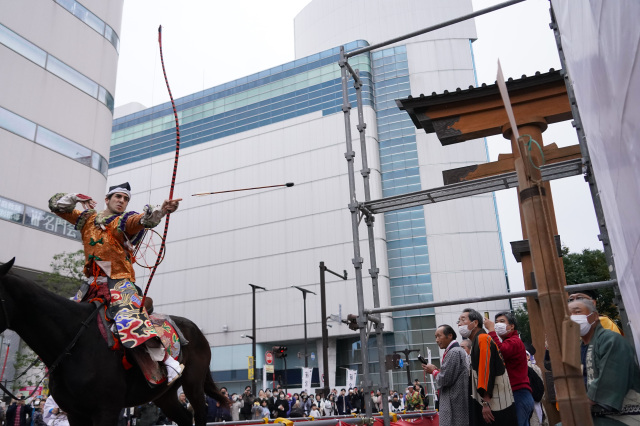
x=67, y=273
x=588, y=266
x=522, y=319
x=591, y=266
x=25, y=357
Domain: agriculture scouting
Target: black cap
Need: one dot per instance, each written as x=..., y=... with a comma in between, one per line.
x=122, y=185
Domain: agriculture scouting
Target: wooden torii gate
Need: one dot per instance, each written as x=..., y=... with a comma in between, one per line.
x=478, y=112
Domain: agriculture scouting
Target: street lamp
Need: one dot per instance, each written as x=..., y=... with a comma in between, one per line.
x=253, y=336
x=325, y=332
x=304, y=302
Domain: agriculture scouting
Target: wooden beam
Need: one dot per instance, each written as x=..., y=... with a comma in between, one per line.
x=505, y=164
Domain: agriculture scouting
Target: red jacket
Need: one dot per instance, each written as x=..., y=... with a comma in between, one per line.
x=515, y=359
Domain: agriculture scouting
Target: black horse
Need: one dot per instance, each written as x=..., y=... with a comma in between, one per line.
x=90, y=383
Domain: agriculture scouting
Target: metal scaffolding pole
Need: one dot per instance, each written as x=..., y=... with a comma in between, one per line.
x=432, y=28
x=357, y=259
x=369, y=219
x=477, y=299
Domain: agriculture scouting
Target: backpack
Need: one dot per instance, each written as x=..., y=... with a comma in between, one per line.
x=537, y=385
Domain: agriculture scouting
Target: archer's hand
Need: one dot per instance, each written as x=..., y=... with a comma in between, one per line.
x=88, y=204
x=170, y=206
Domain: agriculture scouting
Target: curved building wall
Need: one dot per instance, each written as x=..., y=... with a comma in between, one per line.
x=58, y=61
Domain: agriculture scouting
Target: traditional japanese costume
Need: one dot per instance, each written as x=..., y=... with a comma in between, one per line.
x=108, y=241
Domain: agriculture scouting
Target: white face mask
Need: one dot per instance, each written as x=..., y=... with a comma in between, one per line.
x=464, y=331
x=501, y=329
x=583, y=322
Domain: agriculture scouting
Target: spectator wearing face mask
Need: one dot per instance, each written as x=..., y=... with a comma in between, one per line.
x=281, y=405
x=236, y=404
x=504, y=333
x=491, y=397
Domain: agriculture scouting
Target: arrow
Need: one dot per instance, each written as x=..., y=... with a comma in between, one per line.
x=200, y=194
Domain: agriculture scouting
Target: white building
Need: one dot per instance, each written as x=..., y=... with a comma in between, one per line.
x=58, y=62
x=285, y=124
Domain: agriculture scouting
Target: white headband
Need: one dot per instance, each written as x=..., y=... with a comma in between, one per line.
x=122, y=190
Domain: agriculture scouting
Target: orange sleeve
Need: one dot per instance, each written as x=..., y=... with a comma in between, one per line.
x=484, y=349
x=133, y=225
x=71, y=217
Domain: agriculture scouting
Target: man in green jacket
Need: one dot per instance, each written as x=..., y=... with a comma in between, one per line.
x=613, y=375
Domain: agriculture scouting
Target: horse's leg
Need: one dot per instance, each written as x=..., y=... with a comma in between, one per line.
x=171, y=407
x=193, y=386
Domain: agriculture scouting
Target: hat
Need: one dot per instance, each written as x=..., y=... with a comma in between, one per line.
x=124, y=188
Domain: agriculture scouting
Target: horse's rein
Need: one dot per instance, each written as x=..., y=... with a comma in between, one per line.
x=65, y=352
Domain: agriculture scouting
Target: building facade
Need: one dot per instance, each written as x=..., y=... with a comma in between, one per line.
x=58, y=61
x=285, y=124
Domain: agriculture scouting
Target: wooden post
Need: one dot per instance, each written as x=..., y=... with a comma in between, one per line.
x=562, y=335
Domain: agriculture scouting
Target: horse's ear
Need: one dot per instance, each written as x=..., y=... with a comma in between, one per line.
x=4, y=269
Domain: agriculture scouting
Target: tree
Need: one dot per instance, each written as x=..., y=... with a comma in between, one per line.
x=65, y=280
x=522, y=319
x=588, y=266
x=67, y=273
x=591, y=266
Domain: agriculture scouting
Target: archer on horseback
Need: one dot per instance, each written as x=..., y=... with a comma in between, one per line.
x=109, y=238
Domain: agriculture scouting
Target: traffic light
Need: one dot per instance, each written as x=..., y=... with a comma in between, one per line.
x=279, y=351
x=397, y=359
x=388, y=362
x=352, y=322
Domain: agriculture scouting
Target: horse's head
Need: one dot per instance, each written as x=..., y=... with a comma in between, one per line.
x=4, y=270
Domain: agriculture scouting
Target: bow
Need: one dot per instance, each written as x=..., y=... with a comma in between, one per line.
x=173, y=177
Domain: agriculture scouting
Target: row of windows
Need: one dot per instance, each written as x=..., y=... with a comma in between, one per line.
x=32, y=217
x=233, y=122
x=407, y=252
x=56, y=67
x=97, y=24
x=243, y=84
x=55, y=142
x=261, y=98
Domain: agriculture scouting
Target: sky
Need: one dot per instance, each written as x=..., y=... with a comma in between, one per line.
x=206, y=43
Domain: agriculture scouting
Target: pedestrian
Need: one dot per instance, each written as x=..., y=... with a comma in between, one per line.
x=613, y=375
x=18, y=413
x=53, y=415
x=491, y=396
x=451, y=379
x=504, y=333
x=247, y=404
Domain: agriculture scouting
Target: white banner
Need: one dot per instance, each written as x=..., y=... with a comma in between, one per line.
x=351, y=378
x=306, y=379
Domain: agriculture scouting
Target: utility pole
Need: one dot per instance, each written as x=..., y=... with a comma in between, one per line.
x=325, y=332
x=253, y=337
x=304, y=302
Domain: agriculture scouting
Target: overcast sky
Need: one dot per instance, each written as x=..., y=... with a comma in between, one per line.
x=206, y=43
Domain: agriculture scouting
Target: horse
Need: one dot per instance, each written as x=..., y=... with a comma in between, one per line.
x=90, y=382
